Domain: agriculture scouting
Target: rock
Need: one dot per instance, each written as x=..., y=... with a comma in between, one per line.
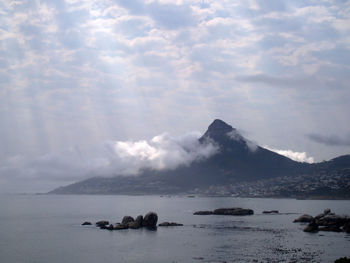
x=327, y=211
x=271, y=212
x=127, y=219
x=137, y=223
x=311, y=227
x=203, y=213
x=86, y=223
x=150, y=220
x=333, y=228
x=170, y=224
x=102, y=223
x=342, y=260
x=110, y=227
x=304, y=219
x=234, y=211
x=346, y=228
x=333, y=220
x=120, y=226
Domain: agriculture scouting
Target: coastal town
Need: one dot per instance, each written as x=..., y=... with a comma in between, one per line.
x=325, y=184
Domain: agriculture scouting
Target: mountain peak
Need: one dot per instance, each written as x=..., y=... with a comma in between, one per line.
x=219, y=126
x=218, y=129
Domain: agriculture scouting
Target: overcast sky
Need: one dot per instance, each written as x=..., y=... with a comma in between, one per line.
x=75, y=75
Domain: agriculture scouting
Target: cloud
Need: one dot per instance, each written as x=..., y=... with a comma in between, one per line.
x=330, y=140
x=108, y=159
x=235, y=135
x=79, y=72
x=296, y=156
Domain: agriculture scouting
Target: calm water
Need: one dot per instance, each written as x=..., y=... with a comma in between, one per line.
x=47, y=229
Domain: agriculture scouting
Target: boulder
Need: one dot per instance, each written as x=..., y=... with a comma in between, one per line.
x=127, y=219
x=342, y=260
x=120, y=226
x=333, y=228
x=170, y=224
x=304, y=219
x=137, y=223
x=271, y=212
x=327, y=211
x=102, y=223
x=203, y=213
x=234, y=211
x=333, y=220
x=346, y=228
x=86, y=223
x=150, y=220
x=311, y=227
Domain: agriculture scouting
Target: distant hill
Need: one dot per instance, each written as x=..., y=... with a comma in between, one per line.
x=238, y=160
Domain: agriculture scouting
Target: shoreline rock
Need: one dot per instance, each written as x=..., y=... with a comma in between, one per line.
x=232, y=211
x=327, y=221
x=170, y=224
x=271, y=212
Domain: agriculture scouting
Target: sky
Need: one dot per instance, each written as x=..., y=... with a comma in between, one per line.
x=86, y=86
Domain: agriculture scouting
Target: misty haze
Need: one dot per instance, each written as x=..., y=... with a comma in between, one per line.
x=174, y=131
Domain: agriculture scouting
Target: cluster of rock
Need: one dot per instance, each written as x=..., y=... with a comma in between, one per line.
x=149, y=221
x=327, y=221
x=233, y=211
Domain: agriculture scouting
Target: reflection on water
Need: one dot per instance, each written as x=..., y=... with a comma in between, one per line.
x=47, y=229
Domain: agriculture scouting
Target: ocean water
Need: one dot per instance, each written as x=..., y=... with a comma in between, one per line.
x=47, y=228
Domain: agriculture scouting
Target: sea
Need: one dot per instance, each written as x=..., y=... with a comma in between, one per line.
x=47, y=229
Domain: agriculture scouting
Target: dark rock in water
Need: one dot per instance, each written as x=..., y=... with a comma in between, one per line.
x=86, y=223
x=333, y=228
x=170, y=224
x=120, y=227
x=327, y=221
x=234, y=211
x=333, y=220
x=102, y=223
x=311, y=227
x=304, y=219
x=271, y=212
x=137, y=223
x=110, y=227
x=327, y=211
x=150, y=220
x=342, y=260
x=203, y=213
x=127, y=219
x=346, y=228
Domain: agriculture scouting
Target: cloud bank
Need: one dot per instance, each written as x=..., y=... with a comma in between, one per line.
x=296, y=156
x=108, y=159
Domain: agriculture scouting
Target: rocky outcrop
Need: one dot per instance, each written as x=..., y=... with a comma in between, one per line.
x=311, y=227
x=327, y=221
x=127, y=219
x=304, y=219
x=137, y=223
x=342, y=260
x=150, y=220
x=86, y=223
x=170, y=224
x=203, y=213
x=233, y=211
x=271, y=212
x=102, y=223
x=120, y=227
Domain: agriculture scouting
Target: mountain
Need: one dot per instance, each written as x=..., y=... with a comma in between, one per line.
x=237, y=160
